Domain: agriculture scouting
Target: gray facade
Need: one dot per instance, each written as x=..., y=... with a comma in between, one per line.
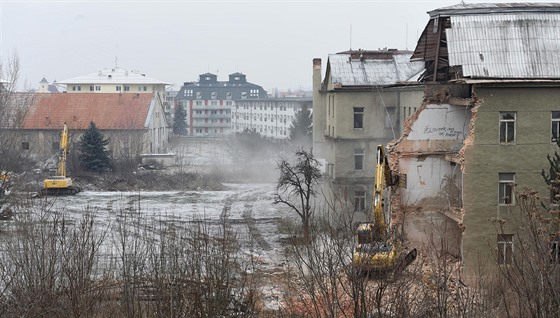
x=356, y=107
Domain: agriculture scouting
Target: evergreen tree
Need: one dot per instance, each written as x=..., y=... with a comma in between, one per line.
x=301, y=131
x=94, y=155
x=553, y=177
x=179, y=121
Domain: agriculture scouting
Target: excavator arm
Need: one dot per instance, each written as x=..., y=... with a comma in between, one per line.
x=60, y=184
x=377, y=249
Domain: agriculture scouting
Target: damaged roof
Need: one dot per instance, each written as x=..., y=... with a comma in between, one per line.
x=108, y=111
x=365, y=68
x=500, y=40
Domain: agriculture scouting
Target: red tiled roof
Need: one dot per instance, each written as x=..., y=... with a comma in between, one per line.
x=108, y=111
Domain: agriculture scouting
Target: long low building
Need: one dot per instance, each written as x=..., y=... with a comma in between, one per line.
x=271, y=117
x=134, y=123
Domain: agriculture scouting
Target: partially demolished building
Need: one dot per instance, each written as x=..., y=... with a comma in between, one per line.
x=490, y=116
x=360, y=103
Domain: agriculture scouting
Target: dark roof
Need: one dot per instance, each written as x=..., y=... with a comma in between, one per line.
x=208, y=87
x=108, y=111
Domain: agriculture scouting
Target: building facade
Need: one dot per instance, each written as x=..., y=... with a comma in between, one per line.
x=115, y=80
x=209, y=102
x=271, y=117
x=490, y=118
x=356, y=107
x=134, y=123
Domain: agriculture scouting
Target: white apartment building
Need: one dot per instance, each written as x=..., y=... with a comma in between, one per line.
x=271, y=117
x=115, y=80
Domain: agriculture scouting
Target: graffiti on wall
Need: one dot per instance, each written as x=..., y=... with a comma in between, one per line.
x=449, y=132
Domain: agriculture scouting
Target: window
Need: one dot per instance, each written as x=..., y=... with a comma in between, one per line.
x=359, y=201
x=507, y=127
x=214, y=95
x=555, y=126
x=244, y=95
x=359, y=159
x=505, y=249
x=91, y=88
x=117, y=88
x=389, y=115
x=144, y=88
x=188, y=92
x=97, y=88
x=25, y=145
x=126, y=88
x=505, y=191
x=198, y=95
x=358, y=117
x=55, y=145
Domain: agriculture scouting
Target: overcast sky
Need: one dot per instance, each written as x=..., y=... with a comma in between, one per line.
x=272, y=42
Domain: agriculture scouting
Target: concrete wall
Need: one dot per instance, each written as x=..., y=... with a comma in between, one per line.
x=487, y=157
x=427, y=178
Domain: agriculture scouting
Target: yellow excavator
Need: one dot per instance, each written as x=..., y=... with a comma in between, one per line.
x=378, y=248
x=60, y=184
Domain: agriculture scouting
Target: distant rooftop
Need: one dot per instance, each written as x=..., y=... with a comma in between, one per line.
x=114, y=75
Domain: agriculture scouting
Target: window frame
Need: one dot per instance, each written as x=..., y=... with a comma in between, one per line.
x=503, y=128
x=554, y=123
x=503, y=241
x=361, y=154
x=358, y=118
x=505, y=186
x=360, y=200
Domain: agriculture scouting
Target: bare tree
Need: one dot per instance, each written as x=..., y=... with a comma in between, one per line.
x=14, y=157
x=299, y=183
x=528, y=268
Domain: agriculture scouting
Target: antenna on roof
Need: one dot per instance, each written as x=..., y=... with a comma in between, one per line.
x=462, y=2
x=350, y=36
x=116, y=62
x=406, y=40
